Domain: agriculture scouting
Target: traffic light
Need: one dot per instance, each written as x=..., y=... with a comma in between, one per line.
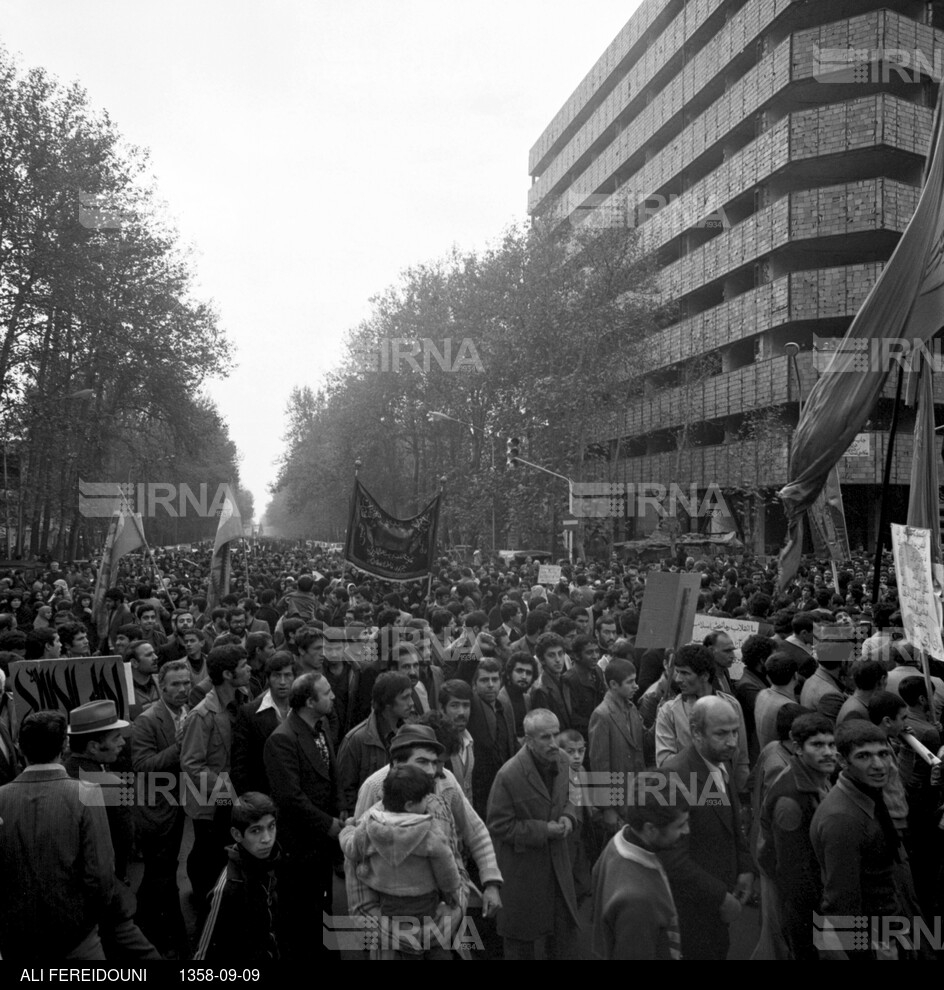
x=512, y=451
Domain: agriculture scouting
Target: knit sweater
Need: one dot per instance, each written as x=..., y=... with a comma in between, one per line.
x=634, y=914
x=401, y=854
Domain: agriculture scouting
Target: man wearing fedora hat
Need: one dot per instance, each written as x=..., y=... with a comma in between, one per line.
x=95, y=741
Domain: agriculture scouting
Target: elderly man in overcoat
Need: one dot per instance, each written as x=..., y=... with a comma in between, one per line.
x=529, y=818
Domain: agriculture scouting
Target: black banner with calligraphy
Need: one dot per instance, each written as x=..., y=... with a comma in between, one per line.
x=387, y=547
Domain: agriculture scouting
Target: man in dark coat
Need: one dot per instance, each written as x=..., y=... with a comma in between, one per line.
x=854, y=839
x=159, y=818
x=300, y=765
x=786, y=854
x=256, y=721
x=710, y=871
x=492, y=728
x=529, y=818
x=57, y=867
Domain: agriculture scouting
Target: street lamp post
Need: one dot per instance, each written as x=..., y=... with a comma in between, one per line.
x=435, y=417
x=570, y=497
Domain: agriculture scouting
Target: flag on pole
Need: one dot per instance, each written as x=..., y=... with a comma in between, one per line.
x=828, y=520
x=906, y=301
x=230, y=528
x=126, y=533
x=924, y=497
x=388, y=547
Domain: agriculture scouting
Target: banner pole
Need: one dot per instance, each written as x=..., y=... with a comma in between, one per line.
x=886, y=479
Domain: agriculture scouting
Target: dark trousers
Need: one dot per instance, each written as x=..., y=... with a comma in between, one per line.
x=562, y=944
x=159, y=915
x=797, y=925
x=305, y=893
x=703, y=935
x=207, y=858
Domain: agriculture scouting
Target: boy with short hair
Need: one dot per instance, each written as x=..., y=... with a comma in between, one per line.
x=402, y=854
x=240, y=927
x=584, y=842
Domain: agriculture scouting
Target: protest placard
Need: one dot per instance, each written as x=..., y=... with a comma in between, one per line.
x=737, y=629
x=667, y=616
x=549, y=574
x=920, y=610
x=40, y=685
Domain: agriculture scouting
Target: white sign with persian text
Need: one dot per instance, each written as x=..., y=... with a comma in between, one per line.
x=860, y=447
x=549, y=574
x=920, y=610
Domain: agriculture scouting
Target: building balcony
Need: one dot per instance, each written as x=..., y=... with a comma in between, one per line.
x=852, y=213
x=760, y=385
x=825, y=294
x=753, y=465
x=792, y=63
x=817, y=143
x=573, y=112
x=630, y=90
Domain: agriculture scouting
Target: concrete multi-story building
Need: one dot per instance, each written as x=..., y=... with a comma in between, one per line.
x=771, y=153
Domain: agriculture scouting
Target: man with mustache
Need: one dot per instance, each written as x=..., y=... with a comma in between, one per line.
x=786, y=852
x=455, y=700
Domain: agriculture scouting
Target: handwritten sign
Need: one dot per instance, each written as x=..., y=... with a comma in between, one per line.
x=920, y=610
x=861, y=446
x=42, y=685
x=549, y=574
x=737, y=629
x=667, y=616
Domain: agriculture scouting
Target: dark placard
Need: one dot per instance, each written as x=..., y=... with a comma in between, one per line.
x=41, y=685
x=668, y=609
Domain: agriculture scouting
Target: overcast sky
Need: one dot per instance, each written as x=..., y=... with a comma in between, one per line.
x=310, y=150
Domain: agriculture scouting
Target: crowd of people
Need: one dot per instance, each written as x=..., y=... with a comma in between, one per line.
x=492, y=766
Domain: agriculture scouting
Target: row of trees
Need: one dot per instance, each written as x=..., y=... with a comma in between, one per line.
x=103, y=348
x=533, y=338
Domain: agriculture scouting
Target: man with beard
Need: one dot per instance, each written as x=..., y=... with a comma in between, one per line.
x=585, y=683
x=634, y=914
x=406, y=660
x=455, y=702
x=176, y=648
x=418, y=745
x=711, y=872
x=520, y=673
x=786, y=853
x=606, y=636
